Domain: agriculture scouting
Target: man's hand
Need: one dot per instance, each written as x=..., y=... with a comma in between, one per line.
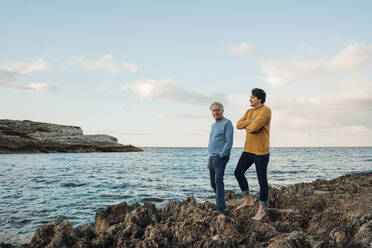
x=208, y=165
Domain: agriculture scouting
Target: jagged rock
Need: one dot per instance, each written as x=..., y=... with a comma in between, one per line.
x=38, y=137
x=85, y=231
x=291, y=240
x=217, y=241
x=293, y=220
x=57, y=234
x=112, y=215
x=363, y=237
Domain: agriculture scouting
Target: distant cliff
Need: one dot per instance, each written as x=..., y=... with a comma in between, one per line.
x=38, y=137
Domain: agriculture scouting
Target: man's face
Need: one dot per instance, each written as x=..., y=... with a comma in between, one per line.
x=254, y=101
x=217, y=112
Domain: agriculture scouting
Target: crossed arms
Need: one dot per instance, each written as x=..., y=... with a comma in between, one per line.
x=254, y=125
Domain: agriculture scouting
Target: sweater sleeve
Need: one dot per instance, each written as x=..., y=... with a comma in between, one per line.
x=243, y=122
x=259, y=122
x=229, y=132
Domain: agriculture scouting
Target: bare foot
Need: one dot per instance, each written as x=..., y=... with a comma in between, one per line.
x=259, y=215
x=245, y=203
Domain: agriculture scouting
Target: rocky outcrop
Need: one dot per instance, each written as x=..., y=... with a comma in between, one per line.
x=334, y=213
x=38, y=137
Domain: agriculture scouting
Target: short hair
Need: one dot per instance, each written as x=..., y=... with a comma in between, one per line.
x=216, y=103
x=260, y=94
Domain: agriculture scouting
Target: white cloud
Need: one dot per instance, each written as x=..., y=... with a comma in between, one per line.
x=10, y=74
x=355, y=57
x=242, y=48
x=130, y=67
x=24, y=67
x=39, y=87
x=168, y=115
x=106, y=62
x=9, y=83
x=167, y=89
x=341, y=115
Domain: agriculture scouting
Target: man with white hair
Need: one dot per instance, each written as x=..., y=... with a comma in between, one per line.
x=219, y=148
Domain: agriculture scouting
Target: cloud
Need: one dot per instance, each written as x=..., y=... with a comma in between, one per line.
x=356, y=57
x=11, y=73
x=8, y=82
x=167, y=89
x=24, y=67
x=168, y=115
x=39, y=87
x=106, y=62
x=104, y=87
x=242, y=48
x=341, y=115
x=130, y=67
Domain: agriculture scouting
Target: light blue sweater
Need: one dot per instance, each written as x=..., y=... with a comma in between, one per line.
x=221, y=138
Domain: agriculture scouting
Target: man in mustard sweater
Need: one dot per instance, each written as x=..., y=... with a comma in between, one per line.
x=256, y=122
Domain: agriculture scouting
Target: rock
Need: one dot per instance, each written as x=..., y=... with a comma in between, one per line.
x=112, y=215
x=230, y=195
x=217, y=241
x=38, y=137
x=291, y=240
x=37, y=129
x=59, y=233
x=362, y=229
x=191, y=199
x=299, y=216
x=80, y=138
x=86, y=231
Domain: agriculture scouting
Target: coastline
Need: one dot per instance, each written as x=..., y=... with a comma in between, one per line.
x=29, y=137
x=322, y=213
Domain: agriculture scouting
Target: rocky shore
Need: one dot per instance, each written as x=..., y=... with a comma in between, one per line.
x=334, y=213
x=38, y=137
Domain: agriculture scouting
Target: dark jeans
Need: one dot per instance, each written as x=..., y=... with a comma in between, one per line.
x=260, y=161
x=217, y=167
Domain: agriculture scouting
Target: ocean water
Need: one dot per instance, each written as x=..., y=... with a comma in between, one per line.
x=36, y=189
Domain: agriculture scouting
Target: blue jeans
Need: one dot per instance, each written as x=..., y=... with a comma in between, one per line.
x=217, y=167
x=260, y=161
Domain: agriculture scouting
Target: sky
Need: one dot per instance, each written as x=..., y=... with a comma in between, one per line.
x=146, y=72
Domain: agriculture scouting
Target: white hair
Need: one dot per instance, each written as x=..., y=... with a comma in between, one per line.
x=216, y=103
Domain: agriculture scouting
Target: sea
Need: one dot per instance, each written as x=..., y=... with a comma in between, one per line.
x=36, y=189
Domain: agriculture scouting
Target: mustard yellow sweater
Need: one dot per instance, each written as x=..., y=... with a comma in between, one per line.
x=256, y=122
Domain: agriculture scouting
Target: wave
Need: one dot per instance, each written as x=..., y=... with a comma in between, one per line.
x=151, y=199
x=68, y=185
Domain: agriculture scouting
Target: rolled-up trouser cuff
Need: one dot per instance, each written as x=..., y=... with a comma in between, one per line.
x=246, y=192
x=263, y=203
